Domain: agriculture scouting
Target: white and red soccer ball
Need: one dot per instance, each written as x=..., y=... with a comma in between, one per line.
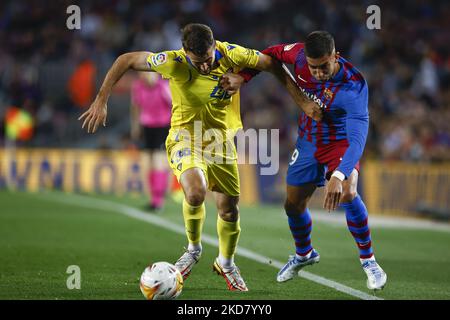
x=161, y=281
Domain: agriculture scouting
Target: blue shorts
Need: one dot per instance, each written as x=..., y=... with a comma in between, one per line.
x=310, y=164
x=304, y=168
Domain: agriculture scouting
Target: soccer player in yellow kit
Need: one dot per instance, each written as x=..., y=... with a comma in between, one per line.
x=197, y=99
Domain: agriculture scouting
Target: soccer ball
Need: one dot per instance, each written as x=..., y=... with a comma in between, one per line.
x=161, y=281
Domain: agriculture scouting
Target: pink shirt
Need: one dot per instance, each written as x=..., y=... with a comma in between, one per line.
x=155, y=102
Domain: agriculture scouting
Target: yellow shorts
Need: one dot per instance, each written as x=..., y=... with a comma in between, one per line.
x=222, y=177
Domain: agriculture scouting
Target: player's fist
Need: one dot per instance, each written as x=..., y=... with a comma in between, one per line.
x=313, y=110
x=94, y=116
x=231, y=82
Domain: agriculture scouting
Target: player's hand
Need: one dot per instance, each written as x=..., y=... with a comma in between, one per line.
x=94, y=116
x=313, y=110
x=333, y=194
x=231, y=82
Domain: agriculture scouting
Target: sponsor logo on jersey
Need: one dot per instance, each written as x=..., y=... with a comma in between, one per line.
x=314, y=98
x=159, y=59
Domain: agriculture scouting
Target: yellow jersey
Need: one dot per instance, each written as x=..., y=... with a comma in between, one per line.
x=197, y=97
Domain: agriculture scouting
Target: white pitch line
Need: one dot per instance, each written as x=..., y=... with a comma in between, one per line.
x=92, y=203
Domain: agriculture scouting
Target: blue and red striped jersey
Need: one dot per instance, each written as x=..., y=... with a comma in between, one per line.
x=344, y=98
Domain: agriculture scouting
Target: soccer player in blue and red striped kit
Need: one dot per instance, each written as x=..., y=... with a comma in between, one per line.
x=325, y=150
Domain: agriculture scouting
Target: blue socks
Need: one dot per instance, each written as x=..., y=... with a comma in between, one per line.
x=301, y=226
x=356, y=214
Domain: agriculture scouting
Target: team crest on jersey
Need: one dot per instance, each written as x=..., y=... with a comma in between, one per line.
x=159, y=59
x=328, y=94
x=288, y=47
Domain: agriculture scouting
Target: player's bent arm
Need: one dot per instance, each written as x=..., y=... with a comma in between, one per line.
x=357, y=127
x=266, y=63
x=232, y=82
x=96, y=114
x=310, y=108
x=132, y=60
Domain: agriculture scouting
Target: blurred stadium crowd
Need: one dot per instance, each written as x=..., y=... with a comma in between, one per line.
x=54, y=73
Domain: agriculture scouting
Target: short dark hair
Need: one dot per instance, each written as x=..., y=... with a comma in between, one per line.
x=197, y=38
x=319, y=44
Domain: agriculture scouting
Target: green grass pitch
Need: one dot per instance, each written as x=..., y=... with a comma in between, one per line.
x=40, y=237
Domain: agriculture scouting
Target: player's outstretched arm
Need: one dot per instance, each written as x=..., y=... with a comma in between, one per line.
x=96, y=114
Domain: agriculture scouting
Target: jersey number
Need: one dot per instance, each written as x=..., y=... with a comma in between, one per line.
x=294, y=157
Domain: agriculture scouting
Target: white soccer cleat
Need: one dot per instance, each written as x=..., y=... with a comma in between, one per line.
x=187, y=261
x=294, y=265
x=376, y=277
x=233, y=277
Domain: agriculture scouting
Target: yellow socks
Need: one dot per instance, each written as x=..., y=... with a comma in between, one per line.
x=228, y=238
x=228, y=232
x=193, y=221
